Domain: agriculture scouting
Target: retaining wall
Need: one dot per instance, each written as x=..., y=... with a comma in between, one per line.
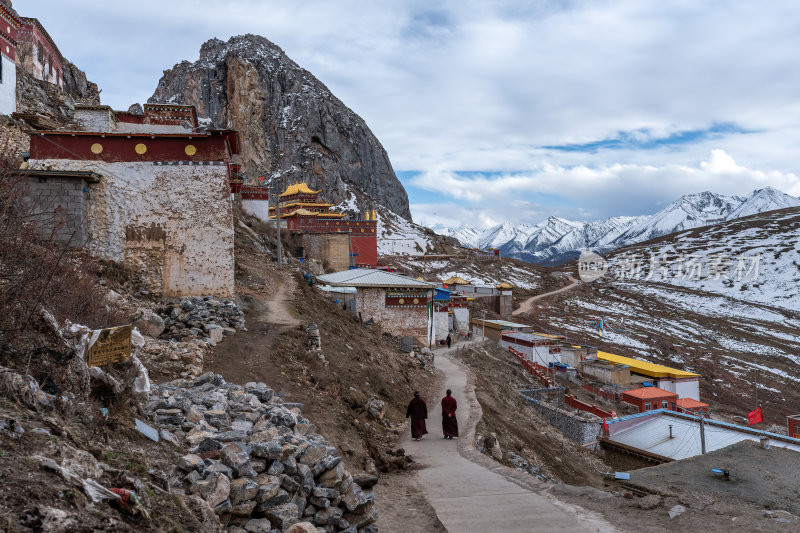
x=582, y=429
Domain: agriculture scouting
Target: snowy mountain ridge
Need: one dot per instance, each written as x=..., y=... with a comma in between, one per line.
x=557, y=240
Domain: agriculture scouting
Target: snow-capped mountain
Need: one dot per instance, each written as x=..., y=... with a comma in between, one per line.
x=751, y=258
x=557, y=240
x=763, y=200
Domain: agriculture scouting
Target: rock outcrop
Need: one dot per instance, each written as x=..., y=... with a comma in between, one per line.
x=291, y=126
x=78, y=87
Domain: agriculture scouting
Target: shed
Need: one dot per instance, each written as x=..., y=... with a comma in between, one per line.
x=493, y=329
x=606, y=372
x=649, y=398
x=535, y=349
x=688, y=405
x=401, y=305
x=684, y=384
x=793, y=423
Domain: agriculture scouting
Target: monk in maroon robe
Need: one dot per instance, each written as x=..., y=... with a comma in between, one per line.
x=449, y=421
x=418, y=412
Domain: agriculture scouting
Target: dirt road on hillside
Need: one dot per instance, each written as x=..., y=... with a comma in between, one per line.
x=246, y=356
x=525, y=306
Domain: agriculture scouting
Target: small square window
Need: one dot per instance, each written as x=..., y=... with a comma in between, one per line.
x=664, y=404
x=647, y=406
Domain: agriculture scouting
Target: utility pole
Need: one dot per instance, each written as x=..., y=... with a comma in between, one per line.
x=278, y=229
x=702, y=433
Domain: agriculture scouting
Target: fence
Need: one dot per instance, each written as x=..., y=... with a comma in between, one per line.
x=577, y=404
x=533, y=368
x=613, y=396
x=541, y=372
x=578, y=427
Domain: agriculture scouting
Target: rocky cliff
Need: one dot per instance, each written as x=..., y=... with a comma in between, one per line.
x=44, y=106
x=291, y=126
x=50, y=102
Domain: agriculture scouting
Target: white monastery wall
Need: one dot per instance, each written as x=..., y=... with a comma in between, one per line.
x=173, y=224
x=8, y=87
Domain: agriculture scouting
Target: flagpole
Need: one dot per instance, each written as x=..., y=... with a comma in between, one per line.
x=755, y=380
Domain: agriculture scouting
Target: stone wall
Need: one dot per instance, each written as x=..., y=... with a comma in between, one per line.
x=581, y=428
x=60, y=203
x=503, y=304
x=331, y=249
x=173, y=224
x=402, y=321
x=95, y=119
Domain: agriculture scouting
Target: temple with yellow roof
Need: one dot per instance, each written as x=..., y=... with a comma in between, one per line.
x=323, y=234
x=298, y=200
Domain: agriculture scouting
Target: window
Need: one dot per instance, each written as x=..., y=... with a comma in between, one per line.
x=647, y=406
x=664, y=404
x=40, y=53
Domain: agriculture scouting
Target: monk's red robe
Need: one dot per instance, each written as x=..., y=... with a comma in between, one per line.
x=449, y=421
x=418, y=412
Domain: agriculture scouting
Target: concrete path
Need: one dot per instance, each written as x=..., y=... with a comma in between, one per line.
x=525, y=306
x=472, y=493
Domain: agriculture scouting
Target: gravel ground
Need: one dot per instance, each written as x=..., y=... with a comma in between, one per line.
x=767, y=478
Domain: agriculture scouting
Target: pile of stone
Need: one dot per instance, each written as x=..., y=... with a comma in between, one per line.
x=256, y=461
x=203, y=318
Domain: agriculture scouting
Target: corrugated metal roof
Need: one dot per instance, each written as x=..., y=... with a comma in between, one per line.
x=550, y=336
x=645, y=367
x=339, y=290
x=500, y=323
x=649, y=432
x=367, y=277
x=523, y=336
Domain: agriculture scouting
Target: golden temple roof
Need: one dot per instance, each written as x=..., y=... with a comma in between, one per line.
x=455, y=280
x=505, y=285
x=304, y=204
x=298, y=188
x=306, y=213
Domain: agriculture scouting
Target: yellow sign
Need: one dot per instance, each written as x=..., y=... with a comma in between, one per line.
x=112, y=345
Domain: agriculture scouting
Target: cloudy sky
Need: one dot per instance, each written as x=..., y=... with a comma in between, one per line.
x=500, y=110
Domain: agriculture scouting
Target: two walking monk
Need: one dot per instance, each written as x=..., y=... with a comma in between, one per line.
x=418, y=412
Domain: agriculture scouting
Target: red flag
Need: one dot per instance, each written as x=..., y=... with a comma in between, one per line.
x=605, y=426
x=754, y=417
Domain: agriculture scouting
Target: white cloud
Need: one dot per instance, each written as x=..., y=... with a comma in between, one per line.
x=582, y=192
x=482, y=86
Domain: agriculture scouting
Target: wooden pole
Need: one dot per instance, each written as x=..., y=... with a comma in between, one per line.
x=702, y=433
x=278, y=226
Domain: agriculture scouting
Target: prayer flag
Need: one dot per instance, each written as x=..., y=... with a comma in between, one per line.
x=754, y=417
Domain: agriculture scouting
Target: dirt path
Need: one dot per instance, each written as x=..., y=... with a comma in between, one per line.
x=472, y=493
x=525, y=306
x=246, y=356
